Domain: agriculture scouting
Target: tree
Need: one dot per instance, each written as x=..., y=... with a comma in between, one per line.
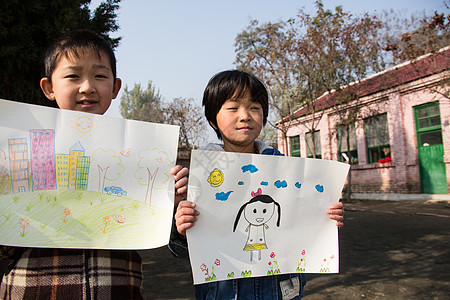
x=309, y=55
x=428, y=35
x=142, y=105
x=26, y=30
x=416, y=36
x=185, y=113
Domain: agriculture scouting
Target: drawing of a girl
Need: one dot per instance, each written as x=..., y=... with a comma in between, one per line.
x=258, y=211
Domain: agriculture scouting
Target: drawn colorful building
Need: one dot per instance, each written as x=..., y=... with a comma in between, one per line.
x=81, y=180
x=43, y=159
x=62, y=171
x=74, y=152
x=18, y=161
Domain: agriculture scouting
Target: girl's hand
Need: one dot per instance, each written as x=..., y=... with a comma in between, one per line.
x=186, y=216
x=336, y=212
x=180, y=174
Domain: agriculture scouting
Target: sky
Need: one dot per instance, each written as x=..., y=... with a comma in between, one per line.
x=179, y=44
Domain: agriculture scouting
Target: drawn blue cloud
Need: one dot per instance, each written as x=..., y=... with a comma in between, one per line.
x=298, y=185
x=264, y=183
x=223, y=196
x=319, y=188
x=280, y=184
x=250, y=168
x=240, y=183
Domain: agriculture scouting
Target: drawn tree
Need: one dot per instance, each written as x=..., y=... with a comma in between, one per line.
x=5, y=181
x=153, y=171
x=106, y=165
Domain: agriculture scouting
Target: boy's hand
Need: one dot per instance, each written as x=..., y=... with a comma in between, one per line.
x=336, y=212
x=186, y=216
x=180, y=176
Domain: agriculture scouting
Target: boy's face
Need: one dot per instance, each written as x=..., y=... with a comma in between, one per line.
x=240, y=121
x=84, y=83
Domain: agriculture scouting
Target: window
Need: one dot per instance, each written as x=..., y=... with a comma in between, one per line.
x=342, y=144
x=377, y=136
x=295, y=145
x=428, y=124
x=313, y=146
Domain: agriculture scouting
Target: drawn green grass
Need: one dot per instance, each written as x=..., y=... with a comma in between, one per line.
x=83, y=227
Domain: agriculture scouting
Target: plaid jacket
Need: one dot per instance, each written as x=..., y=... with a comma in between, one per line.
x=41, y=273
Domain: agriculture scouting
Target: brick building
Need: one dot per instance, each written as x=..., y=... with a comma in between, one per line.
x=400, y=142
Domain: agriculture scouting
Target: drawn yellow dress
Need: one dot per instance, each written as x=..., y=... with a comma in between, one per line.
x=256, y=238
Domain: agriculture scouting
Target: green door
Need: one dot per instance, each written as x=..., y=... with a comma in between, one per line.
x=431, y=151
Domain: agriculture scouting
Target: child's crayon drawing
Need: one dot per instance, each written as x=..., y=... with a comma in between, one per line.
x=77, y=180
x=271, y=214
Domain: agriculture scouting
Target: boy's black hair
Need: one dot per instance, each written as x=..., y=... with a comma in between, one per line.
x=73, y=43
x=233, y=84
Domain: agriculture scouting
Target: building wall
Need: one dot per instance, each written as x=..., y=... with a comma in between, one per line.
x=402, y=174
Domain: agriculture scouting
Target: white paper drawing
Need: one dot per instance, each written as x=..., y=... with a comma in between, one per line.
x=262, y=215
x=78, y=180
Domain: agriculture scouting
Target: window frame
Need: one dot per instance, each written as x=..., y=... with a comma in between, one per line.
x=353, y=150
x=316, y=147
x=379, y=149
x=295, y=152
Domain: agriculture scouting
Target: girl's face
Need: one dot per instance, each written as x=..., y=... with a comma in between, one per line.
x=240, y=121
x=258, y=213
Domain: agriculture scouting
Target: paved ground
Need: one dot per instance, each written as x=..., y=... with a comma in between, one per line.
x=388, y=250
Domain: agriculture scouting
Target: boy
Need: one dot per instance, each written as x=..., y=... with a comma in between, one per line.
x=80, y=75
x=236, y=106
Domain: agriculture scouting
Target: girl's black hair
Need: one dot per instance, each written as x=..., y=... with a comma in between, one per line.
x=233, y=84
x=260, y=198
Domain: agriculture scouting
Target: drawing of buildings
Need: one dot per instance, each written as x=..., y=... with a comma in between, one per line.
x=18, y=160
x=48, y=171
x=43, y=159
x=62, y=171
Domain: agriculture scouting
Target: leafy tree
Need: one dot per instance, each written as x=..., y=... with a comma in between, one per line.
x=142, y=105
x=309, y=55
x=28, y=27
x=428, y=35
x=410, y=38
x=185, y=113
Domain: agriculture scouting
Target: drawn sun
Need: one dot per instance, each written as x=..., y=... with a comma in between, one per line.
x=84, y=125
x=215, y=178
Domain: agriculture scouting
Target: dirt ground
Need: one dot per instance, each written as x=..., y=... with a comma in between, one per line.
x=388, y=250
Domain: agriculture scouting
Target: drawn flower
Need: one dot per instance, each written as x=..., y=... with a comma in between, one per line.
x=217, y=262
x=303, y=252
x=332, y=256
x=272, y=255
x=203, y=267
x=66, y=213
x=24, y=223
x=106, y=220
x=324, y=259
x=120, y=219
x=270, y=263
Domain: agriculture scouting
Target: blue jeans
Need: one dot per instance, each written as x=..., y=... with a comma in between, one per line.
x=256, y=288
